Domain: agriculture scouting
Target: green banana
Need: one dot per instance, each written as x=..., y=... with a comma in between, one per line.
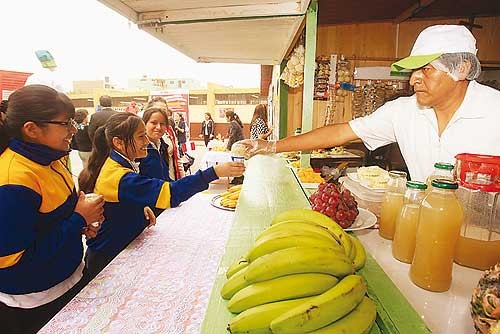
x=296, y=225
x=234, y=284
x=282, y=288
x=359, y=321
x=360, y=258
x=279, y=241
x=236, y=266
x=257, y=320
x=296, y=260
x=311, y=216
x=323, y=309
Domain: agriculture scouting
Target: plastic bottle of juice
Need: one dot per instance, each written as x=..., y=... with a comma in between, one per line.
x=442, y=170
x=438, y=230
x=403, y=244
x=392, y=203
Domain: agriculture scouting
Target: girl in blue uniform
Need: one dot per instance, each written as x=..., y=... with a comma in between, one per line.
x=128, y=195
x=41, y=215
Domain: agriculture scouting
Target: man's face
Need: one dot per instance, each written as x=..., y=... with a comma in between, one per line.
x=432, y=87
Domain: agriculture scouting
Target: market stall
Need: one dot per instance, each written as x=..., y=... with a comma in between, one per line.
x=169, y=279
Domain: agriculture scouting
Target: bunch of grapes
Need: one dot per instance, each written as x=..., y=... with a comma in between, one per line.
x=336, y=204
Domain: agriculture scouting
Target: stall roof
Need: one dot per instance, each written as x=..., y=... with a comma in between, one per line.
x=261, y=31
x=224, y=31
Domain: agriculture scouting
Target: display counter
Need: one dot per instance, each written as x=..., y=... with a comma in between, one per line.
x=168, y=280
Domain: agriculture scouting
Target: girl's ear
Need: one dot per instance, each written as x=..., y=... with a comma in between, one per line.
x=31, y=131
x=118, y=144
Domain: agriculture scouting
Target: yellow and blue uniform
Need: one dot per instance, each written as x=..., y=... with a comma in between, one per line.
x=126, y=193
x=40, y=234
x=155, y=164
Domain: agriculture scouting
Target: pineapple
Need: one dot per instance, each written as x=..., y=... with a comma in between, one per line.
x=485, y=303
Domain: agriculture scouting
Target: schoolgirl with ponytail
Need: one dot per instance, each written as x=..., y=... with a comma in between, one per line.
x=41, y=215
x=235, y=131
x=129, y=195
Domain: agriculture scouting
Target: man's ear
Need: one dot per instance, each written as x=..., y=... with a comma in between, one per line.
x=31, y=131
x=464, y=70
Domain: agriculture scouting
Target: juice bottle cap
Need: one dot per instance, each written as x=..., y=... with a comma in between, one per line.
x=416, y=185
x=444, y=184
x=444, y=165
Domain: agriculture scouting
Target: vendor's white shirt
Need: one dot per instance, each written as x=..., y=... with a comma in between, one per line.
x=474, y=128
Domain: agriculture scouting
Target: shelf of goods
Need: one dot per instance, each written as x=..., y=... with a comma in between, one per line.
x=263, y=196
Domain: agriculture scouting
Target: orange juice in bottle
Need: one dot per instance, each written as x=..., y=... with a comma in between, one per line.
x=392, y=203
x=403, y=244
x=438, y=230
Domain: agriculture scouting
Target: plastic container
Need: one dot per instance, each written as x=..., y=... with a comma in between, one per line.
x=438, y=230
x=479, y=242
x=367, y=199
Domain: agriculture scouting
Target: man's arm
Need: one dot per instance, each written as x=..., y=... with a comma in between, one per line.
x=327, y=136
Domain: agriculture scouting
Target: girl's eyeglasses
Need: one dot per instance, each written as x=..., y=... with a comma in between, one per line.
x=70, y=124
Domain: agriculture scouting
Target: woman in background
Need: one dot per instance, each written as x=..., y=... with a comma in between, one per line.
x=235, y=131
x=207, y=128
x=180, y=131
x=41, y=215
x=128, y=195
x=258, y=126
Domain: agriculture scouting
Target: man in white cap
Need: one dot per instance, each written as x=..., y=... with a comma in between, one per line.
x=449, y=113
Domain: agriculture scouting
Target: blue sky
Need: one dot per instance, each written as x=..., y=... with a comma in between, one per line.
x=90, y=41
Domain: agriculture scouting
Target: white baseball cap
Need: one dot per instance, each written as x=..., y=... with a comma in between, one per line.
x=434, y=41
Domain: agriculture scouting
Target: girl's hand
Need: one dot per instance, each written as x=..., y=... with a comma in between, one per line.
x=91, y=210
x=229, y=169
x=148, y=213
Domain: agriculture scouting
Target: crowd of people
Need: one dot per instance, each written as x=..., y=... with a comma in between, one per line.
x=132, y=163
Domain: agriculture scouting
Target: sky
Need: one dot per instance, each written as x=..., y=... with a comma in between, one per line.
x=89, y=41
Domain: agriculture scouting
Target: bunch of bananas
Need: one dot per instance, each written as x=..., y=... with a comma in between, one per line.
x=229, y=199
x=299, y=278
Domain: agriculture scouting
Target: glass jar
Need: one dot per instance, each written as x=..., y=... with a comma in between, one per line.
x=403, y=244
x=438, y=230
x=392, y=203
x=442, y=170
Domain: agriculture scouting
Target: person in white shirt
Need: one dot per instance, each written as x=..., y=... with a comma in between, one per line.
x=450, y=113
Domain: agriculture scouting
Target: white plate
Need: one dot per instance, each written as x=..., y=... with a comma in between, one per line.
x=354, y=177
x=215, y=201
x=365, y=219
x=310, y=185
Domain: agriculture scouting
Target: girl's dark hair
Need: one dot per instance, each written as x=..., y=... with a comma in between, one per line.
x=260, y=112
x=209, y=116
x=234, y=117
x=149, y=112
x=35, y=103
x=121, y=125
x=80, y=115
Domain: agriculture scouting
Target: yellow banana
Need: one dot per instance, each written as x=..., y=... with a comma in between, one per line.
x=297, y=226
x=236, y=266
x=296, y=260
x=291, y=239
x=234, y=284
x=359, y=321
x=354, y=250
x=282, y=288
x=257, y=320
x=308, y=215
x=360, y=258
x=323, y=309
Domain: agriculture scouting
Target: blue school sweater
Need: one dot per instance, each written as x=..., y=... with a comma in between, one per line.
x=40, y=238
x=155, y=163
x=126, y=193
